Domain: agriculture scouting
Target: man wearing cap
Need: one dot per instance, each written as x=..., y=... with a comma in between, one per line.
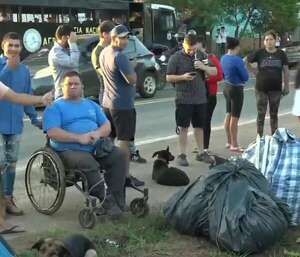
x=119, y=91
x=104, y=30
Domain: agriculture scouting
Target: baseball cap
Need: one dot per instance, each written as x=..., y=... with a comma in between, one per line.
x=120, y=31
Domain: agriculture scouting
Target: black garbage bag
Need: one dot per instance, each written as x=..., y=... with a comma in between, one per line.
x=235, y=206
x=187, y=210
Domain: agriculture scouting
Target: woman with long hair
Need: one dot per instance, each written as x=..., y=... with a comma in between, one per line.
x=272, y=68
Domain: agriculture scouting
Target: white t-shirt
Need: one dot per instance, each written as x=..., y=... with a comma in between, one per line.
x=296, y=106
x=3, y=90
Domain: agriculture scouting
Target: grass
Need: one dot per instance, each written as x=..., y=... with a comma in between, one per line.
x=152, y=237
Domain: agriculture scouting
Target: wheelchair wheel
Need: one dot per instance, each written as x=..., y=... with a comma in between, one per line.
x=139, y=207
x=45, y=181
x=87, y=218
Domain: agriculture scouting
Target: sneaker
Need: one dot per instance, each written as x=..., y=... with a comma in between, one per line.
x=200, y=156
x=136, y=157
x=205, y=157
x=181, y=160
x=133, y=181
x=111, y=208
x=11, y=207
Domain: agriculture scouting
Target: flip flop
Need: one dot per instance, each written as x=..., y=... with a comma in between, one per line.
x=12, y=229
x=236, y=149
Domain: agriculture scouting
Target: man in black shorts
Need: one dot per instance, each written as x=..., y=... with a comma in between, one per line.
x=119, y=91
x=186, y=73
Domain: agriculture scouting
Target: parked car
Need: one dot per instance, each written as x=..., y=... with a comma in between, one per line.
x=292, y=51
x=146, y=67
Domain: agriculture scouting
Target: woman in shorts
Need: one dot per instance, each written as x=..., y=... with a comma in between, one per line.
x=235, y=76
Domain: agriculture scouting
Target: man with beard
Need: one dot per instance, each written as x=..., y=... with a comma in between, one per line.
x=119, y=92
x=63, y=56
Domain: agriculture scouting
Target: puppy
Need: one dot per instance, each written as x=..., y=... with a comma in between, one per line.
x=216, y=160
x=165, y=175
x=71, y=246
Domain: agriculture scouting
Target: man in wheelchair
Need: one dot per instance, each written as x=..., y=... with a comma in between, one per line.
x=78, y=131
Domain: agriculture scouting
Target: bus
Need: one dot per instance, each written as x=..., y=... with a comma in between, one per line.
x=36, y=20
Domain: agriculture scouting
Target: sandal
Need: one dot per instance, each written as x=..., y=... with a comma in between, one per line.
x=236, y=149
x=11, y=229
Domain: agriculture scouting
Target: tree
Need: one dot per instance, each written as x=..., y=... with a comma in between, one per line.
x=282, y=16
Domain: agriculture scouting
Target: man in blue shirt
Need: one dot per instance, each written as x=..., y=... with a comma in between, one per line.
x=17, y=76
x=119, y=91
x=76, y=127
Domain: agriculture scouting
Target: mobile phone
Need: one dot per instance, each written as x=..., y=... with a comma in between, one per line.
x=205, y=61
x=193, y=73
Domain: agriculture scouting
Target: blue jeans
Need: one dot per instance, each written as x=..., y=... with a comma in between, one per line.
x=9, y=151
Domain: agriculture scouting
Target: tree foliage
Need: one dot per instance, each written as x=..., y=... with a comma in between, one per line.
x=260, y=15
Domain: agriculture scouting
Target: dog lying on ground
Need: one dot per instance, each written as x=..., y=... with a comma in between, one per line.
x=71, y=246
x=216, y=160
x=165, y=175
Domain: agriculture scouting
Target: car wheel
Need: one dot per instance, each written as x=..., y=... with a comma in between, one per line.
x=148, y=85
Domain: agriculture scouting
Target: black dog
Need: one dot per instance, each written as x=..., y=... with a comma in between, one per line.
x=72, y=246
x=165, y=175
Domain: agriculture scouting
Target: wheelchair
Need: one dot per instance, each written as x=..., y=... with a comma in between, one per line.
x=46, y=180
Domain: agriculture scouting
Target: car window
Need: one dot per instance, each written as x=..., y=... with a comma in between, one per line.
x=90, y=48
x=131, y=48
x=141, y=49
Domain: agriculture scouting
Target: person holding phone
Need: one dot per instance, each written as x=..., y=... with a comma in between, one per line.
x=212, y=89
x=185, y=72
x=235, y=76
x=63, y=56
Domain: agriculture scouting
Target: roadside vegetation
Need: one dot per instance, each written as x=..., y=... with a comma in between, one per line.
x=152, y=237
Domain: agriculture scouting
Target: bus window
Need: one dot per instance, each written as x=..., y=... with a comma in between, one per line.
x=167, y=21
x=8, y=14
x=31, y=14
x=85, y=17
x=54, y=15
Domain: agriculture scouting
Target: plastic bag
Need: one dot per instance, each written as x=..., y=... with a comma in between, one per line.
x=277, y=158
x=233, y=206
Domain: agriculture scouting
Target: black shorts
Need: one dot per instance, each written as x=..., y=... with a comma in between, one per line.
x=190, y=113
x=234, y=96
x=123, y=123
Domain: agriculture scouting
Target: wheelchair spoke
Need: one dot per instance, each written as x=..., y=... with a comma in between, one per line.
x=43, y=183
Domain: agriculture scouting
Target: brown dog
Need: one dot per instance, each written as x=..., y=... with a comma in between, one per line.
x=72, y=246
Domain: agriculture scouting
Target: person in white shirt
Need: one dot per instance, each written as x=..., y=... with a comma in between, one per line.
x=223, y=36
x=296, y=106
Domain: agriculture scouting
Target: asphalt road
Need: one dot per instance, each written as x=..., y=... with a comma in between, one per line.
x=155, y=130
x=155, y=118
